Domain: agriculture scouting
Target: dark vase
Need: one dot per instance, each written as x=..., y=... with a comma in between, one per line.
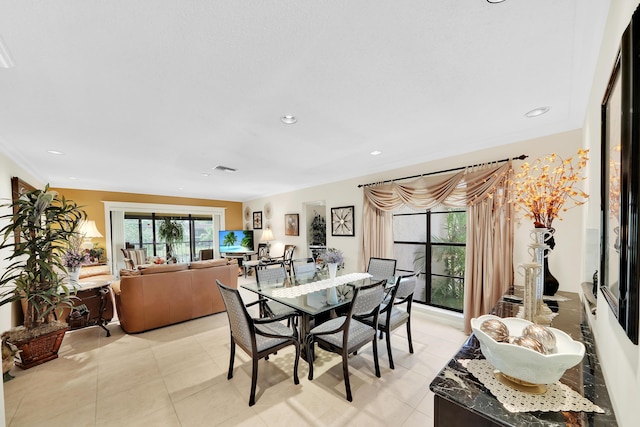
x=551, y=284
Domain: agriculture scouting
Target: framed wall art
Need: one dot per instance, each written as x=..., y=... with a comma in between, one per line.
x=619, y=275
x=342, y=221
x=291, y=225
x=257, y=220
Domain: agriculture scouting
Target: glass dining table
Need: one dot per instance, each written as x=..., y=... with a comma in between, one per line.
x=308, y=293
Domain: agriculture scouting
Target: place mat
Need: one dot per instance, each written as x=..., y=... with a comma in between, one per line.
x=307, y=288
x=558, y=396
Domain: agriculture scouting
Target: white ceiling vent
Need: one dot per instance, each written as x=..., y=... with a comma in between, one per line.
x=225, y=169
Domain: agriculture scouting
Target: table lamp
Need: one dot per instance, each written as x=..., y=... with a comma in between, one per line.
x=88, y=230
x=267, y=236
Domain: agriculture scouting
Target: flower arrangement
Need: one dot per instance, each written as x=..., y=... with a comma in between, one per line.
x=74, y=258
x=332, y=255
x=541, y=189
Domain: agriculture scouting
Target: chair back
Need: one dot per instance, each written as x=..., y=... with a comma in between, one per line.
x=367, y=299
x=406, y=287
x=206, y=254
x=304, y=269
x=239, y=319
x=271, y=274
x=263, y=250
x=382, y=268
x=288, y=253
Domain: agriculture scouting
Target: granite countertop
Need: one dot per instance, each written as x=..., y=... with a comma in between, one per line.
x=457, y=385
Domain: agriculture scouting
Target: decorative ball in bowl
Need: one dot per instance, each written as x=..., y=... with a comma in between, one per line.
x=522, y=363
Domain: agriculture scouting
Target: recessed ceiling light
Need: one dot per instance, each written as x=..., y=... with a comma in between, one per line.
x=72, y=177
x=537, y=111
x=288, y=119
x=376, y=153
x=205, y=174
x=495, y=1
x=55, y=152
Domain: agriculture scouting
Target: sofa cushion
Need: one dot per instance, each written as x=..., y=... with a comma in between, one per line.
x=208, y=263
x=94, y=270
x=163, y=268
x=129, y=272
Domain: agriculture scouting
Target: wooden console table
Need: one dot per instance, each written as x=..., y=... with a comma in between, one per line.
x=461, y=400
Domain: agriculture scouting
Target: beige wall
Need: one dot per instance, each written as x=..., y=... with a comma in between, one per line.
x=345, y=193
x=619, y=357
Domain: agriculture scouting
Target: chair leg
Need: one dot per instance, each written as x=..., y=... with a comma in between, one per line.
x=345, y=373
x=376, y=362
x=296, y=380
x=391, y=365
x=254, y=382
x=309, y=345
x=409, y=335
x=231, y=359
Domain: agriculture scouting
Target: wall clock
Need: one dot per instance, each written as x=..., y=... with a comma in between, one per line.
x=342, y=221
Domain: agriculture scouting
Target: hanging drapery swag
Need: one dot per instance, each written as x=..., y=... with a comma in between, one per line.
x=483, y=190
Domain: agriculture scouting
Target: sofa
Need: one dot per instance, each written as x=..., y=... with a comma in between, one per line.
x=165, y=294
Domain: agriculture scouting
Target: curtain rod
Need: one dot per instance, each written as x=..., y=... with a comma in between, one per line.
x=520, y=157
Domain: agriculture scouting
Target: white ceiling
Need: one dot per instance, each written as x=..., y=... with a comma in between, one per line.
x=145, y=96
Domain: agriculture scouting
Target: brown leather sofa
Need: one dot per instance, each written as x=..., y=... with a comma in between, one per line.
x=167, y=294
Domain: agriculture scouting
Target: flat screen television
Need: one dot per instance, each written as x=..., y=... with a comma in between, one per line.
x=235, y=241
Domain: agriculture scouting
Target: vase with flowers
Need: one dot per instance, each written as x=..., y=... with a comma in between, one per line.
x=73, y=258
x=332, y=257
x=544, y=189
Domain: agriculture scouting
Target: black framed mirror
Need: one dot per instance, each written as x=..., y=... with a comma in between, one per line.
x=620, y=185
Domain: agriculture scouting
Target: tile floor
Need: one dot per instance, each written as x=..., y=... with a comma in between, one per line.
x=177, y=376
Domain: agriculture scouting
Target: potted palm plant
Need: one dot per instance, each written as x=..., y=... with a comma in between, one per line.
x=37, y=233
x=171, y=232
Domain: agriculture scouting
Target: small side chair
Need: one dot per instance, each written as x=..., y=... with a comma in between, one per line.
x=382, y=268
x=346, y=335
x=392, y=316
x=257, y=337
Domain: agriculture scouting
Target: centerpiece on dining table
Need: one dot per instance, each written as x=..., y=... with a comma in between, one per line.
x=332, y=257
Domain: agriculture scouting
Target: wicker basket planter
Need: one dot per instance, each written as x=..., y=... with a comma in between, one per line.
x=36, y=351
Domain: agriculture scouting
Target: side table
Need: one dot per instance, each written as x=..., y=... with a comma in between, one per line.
x=94, y=294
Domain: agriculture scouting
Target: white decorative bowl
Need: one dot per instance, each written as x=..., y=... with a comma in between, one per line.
x=523, y=363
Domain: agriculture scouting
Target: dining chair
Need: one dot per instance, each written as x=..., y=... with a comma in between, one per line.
x=270, y=274
x=391, y=316
x=304, y=267
x=345, y=334
x=382, y=268
x=287, y=257
x=257, y=337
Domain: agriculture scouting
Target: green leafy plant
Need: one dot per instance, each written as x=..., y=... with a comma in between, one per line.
x=318, y=230
x=447, y=291
x=171, y=232
x=45, y=223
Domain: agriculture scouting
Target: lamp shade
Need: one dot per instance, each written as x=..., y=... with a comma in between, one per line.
x=267, y=235
x=89, y=230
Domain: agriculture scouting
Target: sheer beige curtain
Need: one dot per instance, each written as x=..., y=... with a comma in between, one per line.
x=484, y=191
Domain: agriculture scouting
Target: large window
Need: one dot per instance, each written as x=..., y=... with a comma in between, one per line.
x=141, y=231
x=433, y=243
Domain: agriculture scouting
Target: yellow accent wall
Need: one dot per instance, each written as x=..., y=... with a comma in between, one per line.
x=91, y=202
